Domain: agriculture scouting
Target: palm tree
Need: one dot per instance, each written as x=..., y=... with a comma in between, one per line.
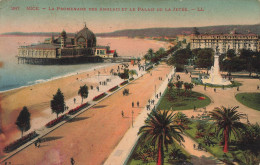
x=132, y=72
x=160, y=130
x=181, y=119
x=83, y=92
x=227, y=121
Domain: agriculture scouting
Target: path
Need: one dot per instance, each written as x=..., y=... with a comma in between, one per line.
x=226, y=97
x=92, y=136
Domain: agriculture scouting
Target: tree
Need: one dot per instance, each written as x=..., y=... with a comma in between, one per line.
x=57, y=103
x=132, y=72
x=83, y=92
x=23, y=120
x=124, y=75
x=160, y=130
x=115, y=54
x=231, y=53
x=188, y=86
x=181, y=118
x=227, y=121
x=247, y=55
x=178, y=85
x=204, y=58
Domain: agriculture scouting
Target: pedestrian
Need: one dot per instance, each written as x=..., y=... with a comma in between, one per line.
x=74, y=100
x=194, y=108
x=35, y=143
x=257, y=87
x=160, y=94
x=38, y=143
x=133, y=104
x=122, y=113
x=147, y=107
x=194, y=146
x=237, y=88
x=137, y=103
x=157, y=96
x=214, y=89
x=149, y=101
x=72, y=161
x=205, y=87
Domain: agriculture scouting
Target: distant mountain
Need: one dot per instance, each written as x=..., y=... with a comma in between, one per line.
x=36, y=33
x=159, y=32
x=172, y=32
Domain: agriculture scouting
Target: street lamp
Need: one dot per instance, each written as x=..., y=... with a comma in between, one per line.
x=132, y=118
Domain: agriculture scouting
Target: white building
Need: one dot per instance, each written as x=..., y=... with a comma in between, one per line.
x=226, y=41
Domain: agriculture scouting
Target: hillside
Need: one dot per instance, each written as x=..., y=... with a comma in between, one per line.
x=159, y=32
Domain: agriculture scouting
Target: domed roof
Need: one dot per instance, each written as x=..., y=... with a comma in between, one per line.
x=63, y=33
x=86, y=33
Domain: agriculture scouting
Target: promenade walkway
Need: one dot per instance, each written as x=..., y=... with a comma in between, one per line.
x=91, y=136
x=124, y=149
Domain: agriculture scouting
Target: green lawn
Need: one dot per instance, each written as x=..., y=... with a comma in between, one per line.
x=216, y=149
x=183, y=102
x=251, y=100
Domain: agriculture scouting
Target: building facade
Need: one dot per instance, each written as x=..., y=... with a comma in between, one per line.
x=83, y=44
x=226, y=41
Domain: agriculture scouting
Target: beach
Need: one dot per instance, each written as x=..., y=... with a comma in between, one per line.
x=33, y=86
x=37, y=98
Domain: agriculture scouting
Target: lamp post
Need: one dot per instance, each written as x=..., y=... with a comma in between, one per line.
x=132, y=118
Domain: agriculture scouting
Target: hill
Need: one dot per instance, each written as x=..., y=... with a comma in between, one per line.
x=158, y=32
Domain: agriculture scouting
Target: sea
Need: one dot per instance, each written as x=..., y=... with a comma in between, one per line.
x=14, y=75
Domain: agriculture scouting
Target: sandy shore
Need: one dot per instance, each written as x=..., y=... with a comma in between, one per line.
x=37, y=98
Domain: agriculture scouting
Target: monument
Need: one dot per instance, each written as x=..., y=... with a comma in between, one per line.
x=214, y=77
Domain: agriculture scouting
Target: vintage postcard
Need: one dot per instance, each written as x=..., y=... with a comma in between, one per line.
x=129, y=82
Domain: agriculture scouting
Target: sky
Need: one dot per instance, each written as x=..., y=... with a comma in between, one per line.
x=16, y=16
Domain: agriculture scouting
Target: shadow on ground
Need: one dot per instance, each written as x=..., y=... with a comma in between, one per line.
x=100, y=106
x=47, y=139
x=203, y=160
x=77, y=119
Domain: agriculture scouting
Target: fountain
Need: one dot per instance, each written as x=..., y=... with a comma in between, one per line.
x=214, y=76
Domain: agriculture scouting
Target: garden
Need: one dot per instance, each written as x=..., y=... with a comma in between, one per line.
x=240, y=145
x=176, y=98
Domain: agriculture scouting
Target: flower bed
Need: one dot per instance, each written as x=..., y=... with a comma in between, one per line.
x=78, y=108
x=113, y=89
x=201, y=98
x=96, y=98
x=123, y=83
x=16, y=144
x=56, y=121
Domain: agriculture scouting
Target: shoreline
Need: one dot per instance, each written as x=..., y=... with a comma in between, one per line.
x=56, y=77
x=37, y=98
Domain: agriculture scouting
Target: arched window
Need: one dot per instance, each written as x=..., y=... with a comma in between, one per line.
x=81, y=41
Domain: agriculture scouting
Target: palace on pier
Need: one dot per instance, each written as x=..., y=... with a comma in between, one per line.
x=65, y=50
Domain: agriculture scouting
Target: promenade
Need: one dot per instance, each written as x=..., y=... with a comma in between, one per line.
x=91, y=137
